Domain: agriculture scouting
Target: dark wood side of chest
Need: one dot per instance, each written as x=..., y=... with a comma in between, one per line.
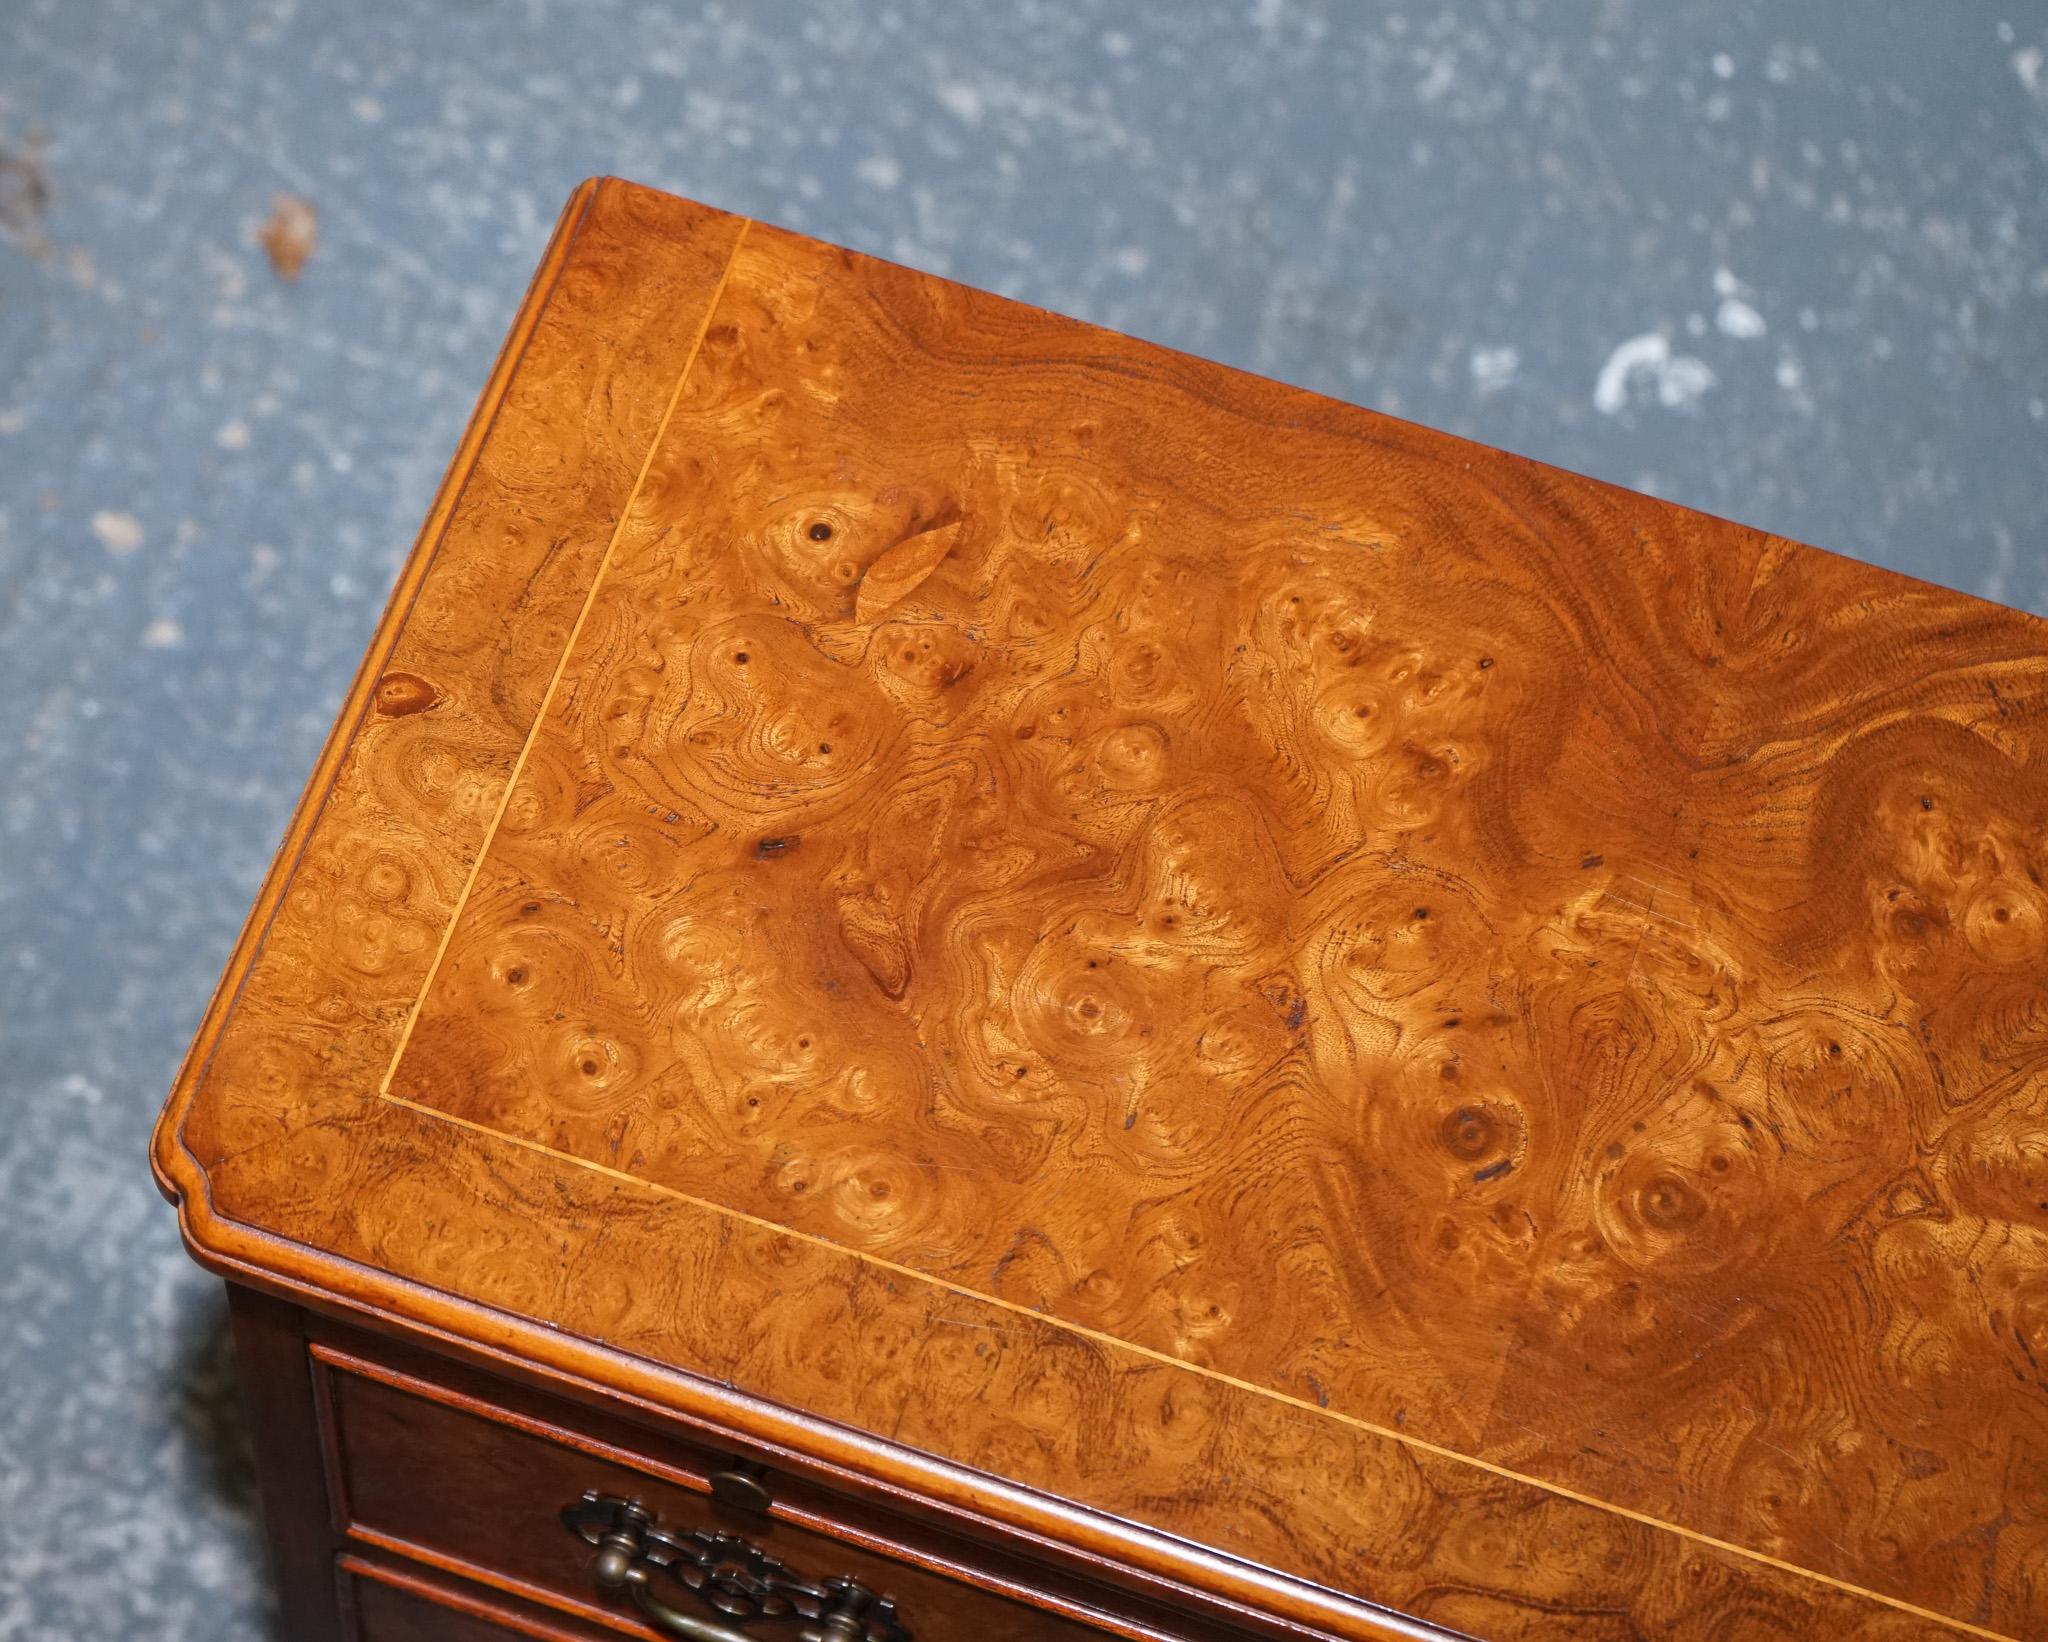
x=411, y=1495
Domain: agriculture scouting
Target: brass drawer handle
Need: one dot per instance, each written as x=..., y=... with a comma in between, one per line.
x=728, y=1574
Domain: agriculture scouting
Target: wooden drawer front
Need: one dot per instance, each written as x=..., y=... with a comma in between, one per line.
x=388, y=1613
x=440, y=1477
x=382, y=1603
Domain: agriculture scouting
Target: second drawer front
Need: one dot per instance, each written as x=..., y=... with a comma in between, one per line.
x=387, y=1604
x=446, y=1480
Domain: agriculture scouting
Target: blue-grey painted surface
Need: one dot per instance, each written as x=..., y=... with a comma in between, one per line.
x=1787, y=262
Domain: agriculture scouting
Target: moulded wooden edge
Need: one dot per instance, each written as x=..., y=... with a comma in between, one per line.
x=509, y=1345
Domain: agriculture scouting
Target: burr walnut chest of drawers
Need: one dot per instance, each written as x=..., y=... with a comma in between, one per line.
x=950, y=978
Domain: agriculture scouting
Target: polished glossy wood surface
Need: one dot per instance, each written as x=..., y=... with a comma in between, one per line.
x=1432, y=1026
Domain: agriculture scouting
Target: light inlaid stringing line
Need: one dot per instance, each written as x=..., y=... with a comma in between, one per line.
x=547, y=699
x=1044, y=1320
x=1041, y=1319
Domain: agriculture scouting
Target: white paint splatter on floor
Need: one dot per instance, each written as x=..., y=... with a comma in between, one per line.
x=1738, y=319
x=880, y=171
x=962, y=101
x=1494, y=368
x=119, y=533
x=1646, y=361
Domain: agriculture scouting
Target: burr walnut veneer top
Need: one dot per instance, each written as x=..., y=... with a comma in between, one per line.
x=1318, y=1007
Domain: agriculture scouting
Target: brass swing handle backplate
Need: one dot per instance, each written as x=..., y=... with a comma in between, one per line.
x=733, y=1577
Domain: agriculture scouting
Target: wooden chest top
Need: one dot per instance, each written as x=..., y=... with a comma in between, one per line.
x=1226, y=973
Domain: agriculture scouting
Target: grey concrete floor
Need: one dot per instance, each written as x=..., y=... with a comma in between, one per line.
x=1785, y=262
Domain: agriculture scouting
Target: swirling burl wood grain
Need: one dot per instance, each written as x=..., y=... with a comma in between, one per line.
x=290, y=1172
x=1476, y=951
